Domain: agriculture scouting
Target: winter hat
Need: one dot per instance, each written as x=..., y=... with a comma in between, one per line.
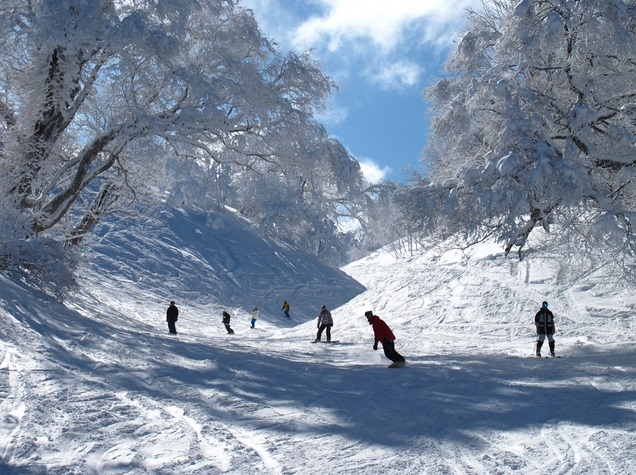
x=368, y=314
x=544, y=304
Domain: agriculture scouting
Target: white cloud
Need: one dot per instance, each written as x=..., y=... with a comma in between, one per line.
x=373, y=172
x=380, y=21
x=397, y=74
x=378, y=38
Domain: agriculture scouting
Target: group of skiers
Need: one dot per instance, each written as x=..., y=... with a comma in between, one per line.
x=544, y=322
x=381, y=330
x=172, y=315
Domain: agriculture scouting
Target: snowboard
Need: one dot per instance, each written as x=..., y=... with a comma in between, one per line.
x=324, y=341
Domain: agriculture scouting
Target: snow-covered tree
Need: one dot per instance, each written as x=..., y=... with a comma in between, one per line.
x=95, y=93
x=536, y=124
x=301, y=198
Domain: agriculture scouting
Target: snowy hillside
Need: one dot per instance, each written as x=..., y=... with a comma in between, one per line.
x=211, y=261
x=98, y=386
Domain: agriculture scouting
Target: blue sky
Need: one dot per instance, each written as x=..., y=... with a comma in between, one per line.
x=382, y=54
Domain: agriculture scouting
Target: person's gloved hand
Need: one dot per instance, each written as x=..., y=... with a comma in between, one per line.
x=375, y=346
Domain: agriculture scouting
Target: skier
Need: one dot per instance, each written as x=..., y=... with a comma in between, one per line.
x=254, y=317
x=226, y=322
x=286, y=309
x=544, y=321
x=324, y=321
x=172, y=315
x=384, y=334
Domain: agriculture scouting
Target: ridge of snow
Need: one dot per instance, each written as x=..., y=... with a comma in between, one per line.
x=214, y=259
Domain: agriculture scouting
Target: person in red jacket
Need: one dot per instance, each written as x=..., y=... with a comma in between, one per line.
x=384, y=334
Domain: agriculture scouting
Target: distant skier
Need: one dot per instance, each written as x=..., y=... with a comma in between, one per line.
x=254, y=317
x=324, y=321
x=226, y=322
x=384, y=334
x=286, y=308
x=544, y=321
x=172, y=315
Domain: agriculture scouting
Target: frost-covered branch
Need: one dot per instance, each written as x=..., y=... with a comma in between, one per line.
x=93, y=92
x=535, y=124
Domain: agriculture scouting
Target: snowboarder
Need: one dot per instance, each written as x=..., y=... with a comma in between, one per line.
x=226, y=322
x=384, y=334
x=544, y=321
x=286, y=309
x=172, y=315
x=254, y=317
x=324, y=321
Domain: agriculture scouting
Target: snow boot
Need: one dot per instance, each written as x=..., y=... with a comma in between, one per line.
x=537, y=348
x=551, y=343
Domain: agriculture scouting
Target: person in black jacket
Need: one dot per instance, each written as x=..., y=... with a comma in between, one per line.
x=544, y=321
x=172, y=315
x=226, y=322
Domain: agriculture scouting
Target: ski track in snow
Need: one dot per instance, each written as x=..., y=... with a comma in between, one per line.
x=98, y=386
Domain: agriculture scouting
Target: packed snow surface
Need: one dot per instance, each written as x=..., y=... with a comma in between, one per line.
x=97, y=385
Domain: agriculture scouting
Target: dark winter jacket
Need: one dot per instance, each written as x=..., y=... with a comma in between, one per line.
x=544, y=320
x=380, y=329
x=172, y=315
x=325, y=318
x=226, y=318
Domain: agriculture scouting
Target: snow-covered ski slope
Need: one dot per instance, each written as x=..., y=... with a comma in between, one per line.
x=97, y=385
